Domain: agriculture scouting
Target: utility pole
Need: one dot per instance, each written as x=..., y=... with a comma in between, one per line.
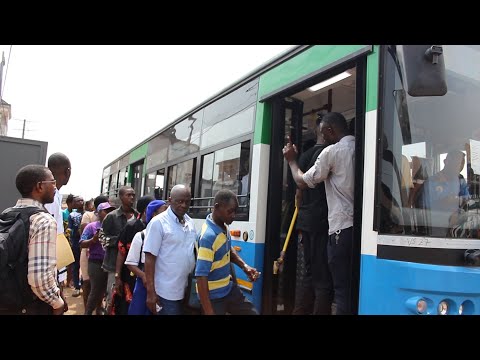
x=23, y=131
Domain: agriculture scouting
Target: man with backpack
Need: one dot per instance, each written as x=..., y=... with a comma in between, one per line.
x=28, y=235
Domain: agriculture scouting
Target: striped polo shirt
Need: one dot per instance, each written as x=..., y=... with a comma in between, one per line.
x=214, y=258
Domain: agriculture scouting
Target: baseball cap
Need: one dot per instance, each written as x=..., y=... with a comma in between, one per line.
x=105, y=206
x=152, y=207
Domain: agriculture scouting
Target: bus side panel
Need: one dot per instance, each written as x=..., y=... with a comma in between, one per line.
x=252, y=254
x=393, y=287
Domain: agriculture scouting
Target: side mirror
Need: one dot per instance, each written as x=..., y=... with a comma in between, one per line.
x=424, y=69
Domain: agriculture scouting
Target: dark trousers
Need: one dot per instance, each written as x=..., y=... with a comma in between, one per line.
x=235, y=303
x=317, y=271
x=37, y=307
x=76, y=266
x=98, y=285
x=340, y=263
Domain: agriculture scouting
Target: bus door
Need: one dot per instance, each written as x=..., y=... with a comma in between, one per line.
x=137, y=178
x=280, y=296
x=294, y=113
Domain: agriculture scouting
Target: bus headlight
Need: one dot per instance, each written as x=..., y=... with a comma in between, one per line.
x=466, y=308
x=443, y=308
x=421, y=306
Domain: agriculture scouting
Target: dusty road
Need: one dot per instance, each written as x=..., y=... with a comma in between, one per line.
x=75, y=304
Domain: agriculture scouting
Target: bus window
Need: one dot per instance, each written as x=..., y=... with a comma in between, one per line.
x=226, y=168
x=154, y=184
x=430, y=163
x=215, y=131
x=182, y=173
x=137, y=178
x=105, y=185
x=184, y=137
x=122, y=177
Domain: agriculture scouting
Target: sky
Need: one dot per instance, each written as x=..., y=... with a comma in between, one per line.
x=94, y=103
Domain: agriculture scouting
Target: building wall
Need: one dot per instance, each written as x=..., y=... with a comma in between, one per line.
x=5, y=115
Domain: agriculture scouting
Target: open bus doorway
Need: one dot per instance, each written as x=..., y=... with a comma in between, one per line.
x=295, y=115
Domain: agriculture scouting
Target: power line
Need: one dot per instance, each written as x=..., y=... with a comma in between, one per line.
x=29, y=121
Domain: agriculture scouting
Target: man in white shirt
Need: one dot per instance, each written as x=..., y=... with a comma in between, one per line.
x=59, y=165
x=169, y=254
x=335, y=165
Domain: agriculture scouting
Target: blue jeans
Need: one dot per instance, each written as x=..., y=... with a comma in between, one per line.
x=76, y=266
x=171, y=307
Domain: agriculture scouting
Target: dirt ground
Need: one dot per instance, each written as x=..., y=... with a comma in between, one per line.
x=75, y=304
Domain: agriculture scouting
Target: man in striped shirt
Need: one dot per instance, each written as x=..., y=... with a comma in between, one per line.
x=216, y=289
x=36, y=184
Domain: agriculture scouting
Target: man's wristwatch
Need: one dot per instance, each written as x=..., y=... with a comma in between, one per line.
x=117, y=275
x=245, y=267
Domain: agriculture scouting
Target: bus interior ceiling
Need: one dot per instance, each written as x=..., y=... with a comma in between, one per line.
x=337, y=97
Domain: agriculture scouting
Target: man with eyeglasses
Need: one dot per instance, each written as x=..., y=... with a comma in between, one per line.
x=37, y=186
x=59, y=165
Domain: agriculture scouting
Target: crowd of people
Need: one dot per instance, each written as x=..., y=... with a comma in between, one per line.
x=127, y=261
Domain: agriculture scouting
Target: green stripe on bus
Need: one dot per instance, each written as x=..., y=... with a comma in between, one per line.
x=138, y=153
x=301, y=65
x=263, y=125
x=372, y=79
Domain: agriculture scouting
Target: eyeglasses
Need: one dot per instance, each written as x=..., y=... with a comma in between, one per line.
x=54, y=182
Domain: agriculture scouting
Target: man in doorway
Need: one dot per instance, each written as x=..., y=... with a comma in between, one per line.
x=313, y=224
x=334, y=166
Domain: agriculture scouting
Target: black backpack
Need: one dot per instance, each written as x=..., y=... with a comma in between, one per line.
x=15, y=292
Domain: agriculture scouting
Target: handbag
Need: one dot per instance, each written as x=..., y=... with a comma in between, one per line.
x=191, y=297
x=64, y=252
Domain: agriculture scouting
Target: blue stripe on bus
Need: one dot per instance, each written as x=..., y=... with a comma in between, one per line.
x=252, y=254
x=391, y=287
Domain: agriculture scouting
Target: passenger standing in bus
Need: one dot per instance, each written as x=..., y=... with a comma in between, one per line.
x=445, y=193
x=217, y=291
x=169, y=254
x=335, y=166
x=313, y=223
x=111, y=228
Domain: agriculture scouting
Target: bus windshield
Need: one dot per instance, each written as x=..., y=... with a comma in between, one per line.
x=430, y=161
